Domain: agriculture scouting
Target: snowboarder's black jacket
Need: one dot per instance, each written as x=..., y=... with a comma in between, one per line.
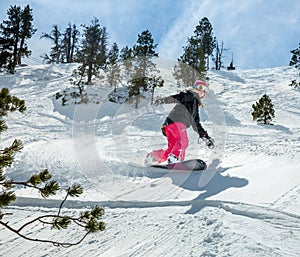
x=185, y=111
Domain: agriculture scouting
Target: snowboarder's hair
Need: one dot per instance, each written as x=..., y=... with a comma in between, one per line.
x=192, y=89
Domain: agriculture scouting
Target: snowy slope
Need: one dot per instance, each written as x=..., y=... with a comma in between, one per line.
x=245, y=204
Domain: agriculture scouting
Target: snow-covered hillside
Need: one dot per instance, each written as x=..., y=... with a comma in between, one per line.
x=247, y=203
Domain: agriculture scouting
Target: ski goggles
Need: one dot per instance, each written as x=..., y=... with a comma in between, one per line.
x=201, y=88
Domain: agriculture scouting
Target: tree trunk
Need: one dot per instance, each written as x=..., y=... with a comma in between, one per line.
x=90, y=69
x=19, y=56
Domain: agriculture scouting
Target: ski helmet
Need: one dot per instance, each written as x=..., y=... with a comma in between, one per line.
x=200, y=85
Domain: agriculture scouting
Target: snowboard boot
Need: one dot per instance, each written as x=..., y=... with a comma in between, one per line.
x=173, y=159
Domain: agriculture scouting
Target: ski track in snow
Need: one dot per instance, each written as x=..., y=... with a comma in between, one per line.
x=250, y=207
x=195, y=228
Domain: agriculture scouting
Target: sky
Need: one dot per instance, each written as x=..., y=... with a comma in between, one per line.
x=257, y=33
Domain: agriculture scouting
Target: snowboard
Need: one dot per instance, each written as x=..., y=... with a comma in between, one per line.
x=188, y=165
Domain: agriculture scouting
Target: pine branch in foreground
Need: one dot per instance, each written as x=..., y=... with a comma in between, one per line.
x=86, y=222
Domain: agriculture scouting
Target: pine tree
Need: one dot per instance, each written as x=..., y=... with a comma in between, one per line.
x=87, y=221
x=263, y=110
x=93, y=51
x=144, y=52
x=191, y=65
x=231, y=67
x=113, y=70
x=69, y=43
x=204, y=32
x=64, y=44
x=154, y=82
x=144, y=69
x=55, y=53
x=126, y=57
x=194, y=62
x=10, y=29
x=26, y=32
x=15, y=31
x=295, y=61
x=74, y=41
x=5, y=52
x=217, y=58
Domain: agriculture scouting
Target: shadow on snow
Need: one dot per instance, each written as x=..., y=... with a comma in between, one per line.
x=192, y=181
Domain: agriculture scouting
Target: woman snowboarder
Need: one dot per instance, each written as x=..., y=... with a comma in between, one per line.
x=183, y=115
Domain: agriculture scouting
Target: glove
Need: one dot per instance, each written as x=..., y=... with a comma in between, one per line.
x=203, y=134
x=210, y=143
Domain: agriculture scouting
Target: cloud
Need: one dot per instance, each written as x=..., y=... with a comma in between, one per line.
x=259, y=33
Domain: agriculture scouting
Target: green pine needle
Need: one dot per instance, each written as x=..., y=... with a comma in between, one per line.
x=75, y=190
x=50, y=189
x=6, y=198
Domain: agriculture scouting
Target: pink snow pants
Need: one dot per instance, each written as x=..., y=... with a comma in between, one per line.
x=177, y=142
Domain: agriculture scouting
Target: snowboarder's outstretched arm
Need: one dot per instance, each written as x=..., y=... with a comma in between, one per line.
x=181, y=97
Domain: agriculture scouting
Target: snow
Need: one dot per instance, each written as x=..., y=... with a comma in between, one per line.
x=245, y=204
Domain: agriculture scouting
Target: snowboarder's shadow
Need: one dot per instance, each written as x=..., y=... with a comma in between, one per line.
x=214, y=182
x=209, y=182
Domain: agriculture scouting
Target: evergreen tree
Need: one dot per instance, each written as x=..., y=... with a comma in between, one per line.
x=295, y=84
x=11, y=30
x=69, y=43
x=144, y=52
x=74, y=40
x=204, y=32
x=295, y=61
x=88, y=220
x=113, y=70
x=14, y=33
x=231, y=67
x=154, y=82
x=55, y=53
x=93, y=51
x=5, y=52
x=191, y=65
x=217, y=58
x=26, y=32
x=64, y=44
x=143, y=77
x=126, y=57
x=263, y=110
